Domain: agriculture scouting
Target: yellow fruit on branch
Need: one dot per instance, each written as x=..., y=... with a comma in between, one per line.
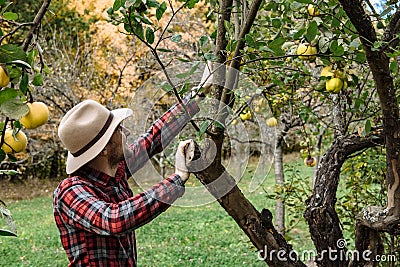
x=245, y=116
x=38, y=115
x=310, y=161
x=306, y=52
x=4, y=76
x=313, y=10
x=326, y=72
x=334, y=85
x=14, y=145
x=272, y=122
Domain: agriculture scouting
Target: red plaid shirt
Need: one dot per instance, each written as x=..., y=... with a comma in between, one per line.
x=97, y=214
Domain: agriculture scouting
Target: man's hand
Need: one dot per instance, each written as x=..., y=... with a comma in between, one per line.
x=180, y=160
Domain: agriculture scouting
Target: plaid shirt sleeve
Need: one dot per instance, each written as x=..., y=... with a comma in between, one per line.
x=160, y=134
x=80, y=206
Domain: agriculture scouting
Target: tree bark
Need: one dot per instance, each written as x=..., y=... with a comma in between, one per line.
x=323, y=221
x=379, y=64
x=36, y=23
x=273, y=248
x=370, y=221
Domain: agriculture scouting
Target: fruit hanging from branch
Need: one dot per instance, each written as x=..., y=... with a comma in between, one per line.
x=306, y=52
x=327, y=72
x=4, y=76
x=37, y=116
x=336, y=79
x=14, y=144
x=272, y=122
x=334, y=85
x=310, y=161
x=313, y=10
x=245, y=116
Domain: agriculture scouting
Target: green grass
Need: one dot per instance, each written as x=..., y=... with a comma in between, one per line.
x=37, y=243
x=182, y=236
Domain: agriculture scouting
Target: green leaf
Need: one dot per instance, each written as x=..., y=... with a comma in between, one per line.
x=386, y=11
x=161, y=10
x=21, y=64
x=203, y=127
x=334, y=45
x=10, y=52
x=2, y=155
x=6, y=233
x=360, y=57
x=185, y=88
x=6, y=94
x=46, y=69
x=31, y=57
x=394, y=67
x=149, y=35
x=276, y=23
x=38, y=80
x=367, y=127
x=10, y=16
x=14, y=109
x=153, y=3
x=9, y=172
x=190, y=72
x=166, y=86
x=304, y=1
x=138, y=30
x=210, y=56
x=219, y=125
x=164, y=50
x=146, y=20
x=176, y=38
x=312, y=31
x=203, y=40
x=15, y=72
x=277, y=43
x=323, y=44
x=299, y=34
x=110, y=11
x=190, y=4
x=339, y=51
x=23, y=85
x=249, y=40
x=118, y=4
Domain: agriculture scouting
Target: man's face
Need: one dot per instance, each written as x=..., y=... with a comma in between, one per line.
x=117, y=144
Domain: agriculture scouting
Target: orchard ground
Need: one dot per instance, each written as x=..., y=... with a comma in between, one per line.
x=192, y=236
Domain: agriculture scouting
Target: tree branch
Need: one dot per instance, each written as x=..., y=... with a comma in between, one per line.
x=36, y=22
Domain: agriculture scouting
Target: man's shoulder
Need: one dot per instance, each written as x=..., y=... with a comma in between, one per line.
x=69, y=182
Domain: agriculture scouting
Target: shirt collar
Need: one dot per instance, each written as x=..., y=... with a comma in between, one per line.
x=93, y=175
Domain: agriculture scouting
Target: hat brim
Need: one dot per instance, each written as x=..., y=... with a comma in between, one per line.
x=74, y=163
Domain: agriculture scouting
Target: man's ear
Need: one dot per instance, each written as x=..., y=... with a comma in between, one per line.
x=104, y=152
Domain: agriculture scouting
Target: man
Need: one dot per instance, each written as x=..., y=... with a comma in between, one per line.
x=94, y=208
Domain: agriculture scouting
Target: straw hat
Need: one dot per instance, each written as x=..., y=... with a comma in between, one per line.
x=86, y=129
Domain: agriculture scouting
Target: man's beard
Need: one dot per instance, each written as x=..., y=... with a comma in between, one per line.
x=119, y=155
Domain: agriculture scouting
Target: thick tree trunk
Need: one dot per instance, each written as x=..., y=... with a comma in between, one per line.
x=257, y=226
x=320, y=213
x=371, y=222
